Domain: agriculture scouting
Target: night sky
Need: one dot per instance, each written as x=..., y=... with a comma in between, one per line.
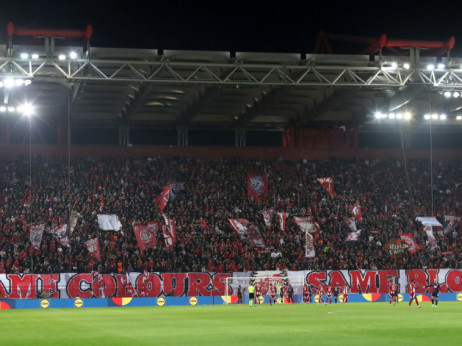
x=259, y=26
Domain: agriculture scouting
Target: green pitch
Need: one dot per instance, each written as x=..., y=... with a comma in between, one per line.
x=350, y=324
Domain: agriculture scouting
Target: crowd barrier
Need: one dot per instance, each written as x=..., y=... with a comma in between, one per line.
x=79, y=303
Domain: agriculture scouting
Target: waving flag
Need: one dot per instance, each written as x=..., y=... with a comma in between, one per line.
x=353, y=236
x=412, y=245
x=36, y=234
x=109, y=222
x=431, y=238
x=169, y=231
x=60, y=234
x=328, y=184
x=175, y=188
x=282, y=220
x=268, y=216
x=163, y=198
x=450, y=223
x=257, y=186
x=307, y=224
x=309, y=245
x=247, y=232
x=146, y=236
x=356, y=211
x=93, y=248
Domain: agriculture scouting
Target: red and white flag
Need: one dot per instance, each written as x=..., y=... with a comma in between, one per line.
x=309, y=245
x=412, y=246
x=351, y=223
x=146, y=236
x=247, y=232
x=328, y=184
x=257, y=186
x=432, y=244
x=356, y=211
x=282, y=220
x=450, y=223
x=163, y=198
x=307, y=224
x=60, y=234
x=93, y=248
x=169, y=232
x=175, y=188
x=353, y=236
x=268, y=216
x=36, y=234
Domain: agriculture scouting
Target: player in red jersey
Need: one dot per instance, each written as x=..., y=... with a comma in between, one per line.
x=412, y=287
x=306, y=294
x=272, y=293
x=144, y=284
x=257, y=293
x=391, y=291
x=320, y=294
x=329, y=294
x=345, y=292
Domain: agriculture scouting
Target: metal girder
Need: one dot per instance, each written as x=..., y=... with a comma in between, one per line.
x=352, y=74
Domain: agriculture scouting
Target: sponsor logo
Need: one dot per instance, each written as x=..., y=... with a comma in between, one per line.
x=44, y=304
x=78, y=303
x=340, y=298
x=400, y=298
x=261, y=300
x=160, y=301
x=193, y=301
x=459, y=297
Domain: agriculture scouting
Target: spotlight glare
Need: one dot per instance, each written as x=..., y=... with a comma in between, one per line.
x=434, y=116
x=8, y=82
x=2, y=109
x=61, y=57
x=35, y=56
x=441, y=66
x=378, y=115
x=24, y=55
x=430, y=67
x=407, y=116
x=73, y=55
x=11, y=109
x=26, y=109
x=18, y=82
x=406, y=66
x=394, y=65
x=427, y=116
x=443, y=116
x=27, y=82
x=456, y=94
x=391, y=115
x=399, y=116
x=447, y=94
x=459, y=117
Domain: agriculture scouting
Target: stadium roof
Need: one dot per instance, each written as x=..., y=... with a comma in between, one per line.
x=141, y=88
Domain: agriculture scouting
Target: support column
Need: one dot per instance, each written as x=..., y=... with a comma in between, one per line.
x=124, y=133
x=239, y=138
x=182, y=134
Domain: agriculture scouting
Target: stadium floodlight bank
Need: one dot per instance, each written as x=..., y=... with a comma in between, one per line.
x=233, y=283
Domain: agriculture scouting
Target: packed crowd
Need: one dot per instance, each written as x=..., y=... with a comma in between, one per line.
x=391, y=195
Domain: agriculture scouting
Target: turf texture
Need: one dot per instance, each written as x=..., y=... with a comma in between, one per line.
x=349, y=324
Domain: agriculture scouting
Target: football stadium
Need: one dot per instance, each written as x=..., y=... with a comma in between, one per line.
x=204, y=197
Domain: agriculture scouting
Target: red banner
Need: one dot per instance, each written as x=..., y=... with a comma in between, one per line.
x=328, y=184
x=412, y=246
x=163, y=198
x=257, y=186
x=93, y=248
x=356, y=211
x=146, y=236
x=169, y=232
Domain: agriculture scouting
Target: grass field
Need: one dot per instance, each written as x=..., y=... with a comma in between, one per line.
x=350, y=324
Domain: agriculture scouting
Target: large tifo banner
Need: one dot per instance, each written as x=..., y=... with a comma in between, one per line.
x=71, y=285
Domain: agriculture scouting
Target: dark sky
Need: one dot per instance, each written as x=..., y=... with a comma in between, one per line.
x=262, y=26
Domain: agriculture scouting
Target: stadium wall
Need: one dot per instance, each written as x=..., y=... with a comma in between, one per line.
x=96, y=151
x=72, y=285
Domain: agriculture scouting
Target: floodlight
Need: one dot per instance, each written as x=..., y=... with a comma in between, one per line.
x=441, y=66
x=61, y=57
x=456, y=94
x=391, y=115
x=18, y=82
x=427, y=116
x=2, y=109
x=435, y=116
x=24, y=55
x=73, y=55
x=11, y=109
x=35, y=56
x=430, y=67
x=399, y=115
x=443, y=116
x=447, y=94
x=406, y=66
x=27, y=82
x=394, y=64
x=8, y=82
x=379, y=115
x=459, y=117
x=26, y=109
x=407, y=116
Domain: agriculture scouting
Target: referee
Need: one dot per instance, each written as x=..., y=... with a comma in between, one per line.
x=251, y=294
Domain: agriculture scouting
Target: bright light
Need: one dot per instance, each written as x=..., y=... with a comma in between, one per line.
x=443, y=116
x=430, y=67
x=2, y=109
x=399, y=116
x=427, y=116
x=35, y=56
x=391, y=115
x=406, y=66
x=8, y=82
x=11, y=109
x=26, y=109
x=61, y=57
x=434, y=116
x=441, y=66
x=459, y=117
x=27, y=82
x=456, y=94
x=447, y=94
x=407, y=116
x=378, y=115
x=18, y=82
x=24, y=55
x=73, y=55
x=394, y=64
